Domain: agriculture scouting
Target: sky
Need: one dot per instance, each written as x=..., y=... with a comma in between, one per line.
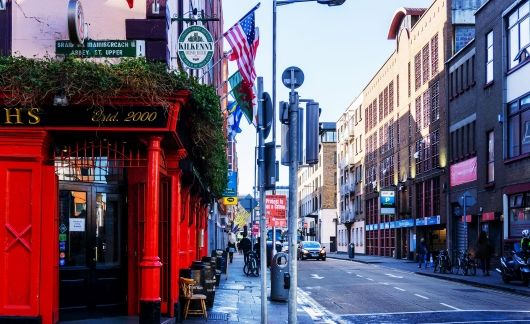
x=339, y=49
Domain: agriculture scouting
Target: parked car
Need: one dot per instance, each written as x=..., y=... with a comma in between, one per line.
x=311, y=250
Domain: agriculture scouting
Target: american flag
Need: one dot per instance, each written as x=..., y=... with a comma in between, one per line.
x=244, y=41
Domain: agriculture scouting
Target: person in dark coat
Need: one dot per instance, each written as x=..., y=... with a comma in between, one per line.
x=422, y=253
x=245, y=245
x=484, y=252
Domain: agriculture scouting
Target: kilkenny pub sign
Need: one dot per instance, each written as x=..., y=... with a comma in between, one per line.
x=195, y=47
x=85, y=117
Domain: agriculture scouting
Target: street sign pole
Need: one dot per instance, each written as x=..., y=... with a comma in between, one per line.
x=464, y=198
x=262, y=209
x=293, y=210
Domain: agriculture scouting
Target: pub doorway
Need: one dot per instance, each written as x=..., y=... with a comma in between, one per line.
x=92, y=231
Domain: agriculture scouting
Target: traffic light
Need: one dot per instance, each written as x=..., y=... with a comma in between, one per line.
x=284, y=112
x=266, y=117
x=311, y=132
x=270, y=166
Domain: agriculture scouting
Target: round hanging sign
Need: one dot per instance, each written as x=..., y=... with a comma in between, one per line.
x=76, y=22
x=195, y=47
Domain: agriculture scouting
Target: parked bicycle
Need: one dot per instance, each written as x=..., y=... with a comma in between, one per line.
x=465, y=264
x=251, y=267
x=443, y=262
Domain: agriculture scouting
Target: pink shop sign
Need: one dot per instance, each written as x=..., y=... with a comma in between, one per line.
x=464, y=172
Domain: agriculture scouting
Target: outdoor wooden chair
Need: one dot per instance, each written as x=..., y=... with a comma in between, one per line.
x=187, y=294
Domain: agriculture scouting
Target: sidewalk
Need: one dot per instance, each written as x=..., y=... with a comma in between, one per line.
x=493, y=281
x=238, y=299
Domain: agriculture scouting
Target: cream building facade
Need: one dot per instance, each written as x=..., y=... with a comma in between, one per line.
x=393, y=137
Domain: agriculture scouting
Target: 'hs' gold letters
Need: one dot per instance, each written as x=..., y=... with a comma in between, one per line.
x=19, y=116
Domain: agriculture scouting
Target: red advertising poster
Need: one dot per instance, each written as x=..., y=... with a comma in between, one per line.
x=464, y=172
x=276, y=206
x=276, y=222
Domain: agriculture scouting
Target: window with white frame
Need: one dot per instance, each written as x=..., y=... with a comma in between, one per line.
x=491, y=157
x=518, y=35
x=519, y=127
x=489, y=57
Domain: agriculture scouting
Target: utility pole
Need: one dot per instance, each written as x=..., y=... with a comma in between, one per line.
x=262, y=211
x=293, y=188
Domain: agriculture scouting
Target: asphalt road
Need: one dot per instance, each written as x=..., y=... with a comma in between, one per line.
x=337, y=291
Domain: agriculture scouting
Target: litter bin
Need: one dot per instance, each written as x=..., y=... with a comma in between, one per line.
x=279, y=270
x=351, y=250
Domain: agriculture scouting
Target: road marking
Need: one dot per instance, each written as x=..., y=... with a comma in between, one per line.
x=370, y=279
x=316, y=276
x=446, y=305
x=348, y=272
x=316, y=311
x=393, y=276
x=359, y=276
x=439, y=311
x=418, y=295
x=384, y=283
x=400, y=289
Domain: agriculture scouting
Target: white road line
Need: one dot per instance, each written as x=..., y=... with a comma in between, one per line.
x=316, y=311
x=316, y=276
x=418, y=295
x=440, y=311
x=400, y=289
x=370, y=279
x=446, y=305
x=384, y=283
x=393, y=276
x=359, y=276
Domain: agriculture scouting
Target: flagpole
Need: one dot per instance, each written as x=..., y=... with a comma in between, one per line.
x=248, y=13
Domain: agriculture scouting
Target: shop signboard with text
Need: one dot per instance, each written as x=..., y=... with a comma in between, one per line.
x=55, y=117
x=231, y=187
x=101, y=48
x=464, y=172
x=388, y=202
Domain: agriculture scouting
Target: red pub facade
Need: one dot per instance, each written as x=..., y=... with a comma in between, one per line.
x=97, y=218
x=99, y=208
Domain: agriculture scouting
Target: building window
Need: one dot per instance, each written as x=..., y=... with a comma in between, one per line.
x=518, y=35
x=473, y=70
x=397, y=90
x=519, y=212
x=489, y=57
x=435, y=102
x=491, y=157
x=418, y=113
x=434, y=55
x=417, y=70
x=426, y=108
x=519, y=127
x=381, y=104
x=426, y=63
x=408, y=84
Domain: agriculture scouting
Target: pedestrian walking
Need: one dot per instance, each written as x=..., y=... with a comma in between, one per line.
x=231, y=248
x=245, y=245
x=484, y=252
x=422, y=253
